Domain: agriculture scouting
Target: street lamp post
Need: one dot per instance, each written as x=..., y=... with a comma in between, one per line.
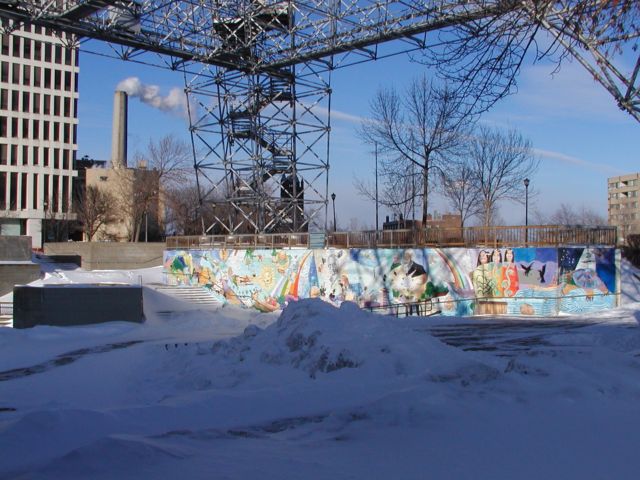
x=526, y=211
x=333, y=197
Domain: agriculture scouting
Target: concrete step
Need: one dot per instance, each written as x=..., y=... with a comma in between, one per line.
x=197, y=295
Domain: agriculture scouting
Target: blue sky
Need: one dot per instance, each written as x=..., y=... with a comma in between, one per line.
x=579, y=134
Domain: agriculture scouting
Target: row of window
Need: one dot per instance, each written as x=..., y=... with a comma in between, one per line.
x=622, y=206
x=44, y=77
x=623, y=184
x=45, y=156
x=20, y=191
x=31, y=130
x=631, y=194
x=7, y=23
x=30, y=102
x=624, y=216
x=29, y=49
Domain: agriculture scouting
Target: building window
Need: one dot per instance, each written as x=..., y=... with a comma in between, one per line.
x=57, y=79
x=56, y=106
x=26, y=48
x=36, y=103
x=47, y=78
x=15, y=101
x=34, y=191
x=37, y=49
x=47, y=104
x=5, y=44
x=56, y=158
x=15, y=74
x=16, y=46
x=3, y=126
x=3, y=153
x=4, y=72
x=4, y=99
x=34, y=152
x=47, y=52
x=3, y=190
x=26, y=75
x=45, y=158
x=23, y=192
x=56, y=132
x=37, y=73
x=36, y=129
x=45, y=130
x=25, y=128
x=25, y=101
x=13, y=191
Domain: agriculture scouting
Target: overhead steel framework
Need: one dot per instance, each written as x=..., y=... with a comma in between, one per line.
x=257, y=73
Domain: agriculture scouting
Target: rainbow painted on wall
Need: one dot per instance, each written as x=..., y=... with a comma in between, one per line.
x=519, y=281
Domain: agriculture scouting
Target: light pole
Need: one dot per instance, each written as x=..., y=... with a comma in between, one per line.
x=333, y=197
x=376, y=154
x=526, y=211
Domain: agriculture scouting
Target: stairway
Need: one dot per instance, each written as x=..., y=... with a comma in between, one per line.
x=6, y=314
x=191, y=294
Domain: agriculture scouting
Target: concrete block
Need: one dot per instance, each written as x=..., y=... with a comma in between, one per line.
x=67, y=305
x=17, y=273
x=15, y=248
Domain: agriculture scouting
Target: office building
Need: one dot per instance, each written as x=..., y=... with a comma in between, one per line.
x=38, y=125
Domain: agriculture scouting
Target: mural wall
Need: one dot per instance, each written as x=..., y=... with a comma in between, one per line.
x=518, y=281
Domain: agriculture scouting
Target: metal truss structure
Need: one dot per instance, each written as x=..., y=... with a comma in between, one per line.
x=257, y=73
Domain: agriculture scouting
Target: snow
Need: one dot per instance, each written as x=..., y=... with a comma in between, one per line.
x=319, y=392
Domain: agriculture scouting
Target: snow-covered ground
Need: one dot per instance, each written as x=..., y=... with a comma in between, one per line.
x=319, y=392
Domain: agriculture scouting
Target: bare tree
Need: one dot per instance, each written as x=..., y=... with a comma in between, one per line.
x=184, y=213
x=94, y=209
x=568, y=215
x=170, y=158
x=501, y=161
x=424, y=127
x=482, y=57
x=460, y=189
x=165, y=165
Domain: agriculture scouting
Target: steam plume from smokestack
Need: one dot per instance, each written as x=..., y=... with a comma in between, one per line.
x=175, y=102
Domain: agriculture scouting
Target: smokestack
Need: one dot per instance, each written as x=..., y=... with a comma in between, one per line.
x=119, y=132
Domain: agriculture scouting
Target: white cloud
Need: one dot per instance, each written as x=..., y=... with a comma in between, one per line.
x=557, y=156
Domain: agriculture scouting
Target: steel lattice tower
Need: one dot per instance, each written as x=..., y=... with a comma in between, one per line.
x=257, y=73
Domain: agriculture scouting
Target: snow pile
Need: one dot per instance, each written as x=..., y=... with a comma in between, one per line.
x=320, y=392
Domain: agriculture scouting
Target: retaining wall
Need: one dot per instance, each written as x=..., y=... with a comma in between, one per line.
x=519, y=281
x=110, y=255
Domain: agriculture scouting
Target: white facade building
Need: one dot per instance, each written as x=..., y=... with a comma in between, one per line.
x=38, y=125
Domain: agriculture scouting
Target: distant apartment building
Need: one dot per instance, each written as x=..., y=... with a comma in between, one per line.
x=624, y=209
x=38, y=125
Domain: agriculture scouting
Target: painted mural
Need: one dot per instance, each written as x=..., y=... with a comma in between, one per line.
x=513, y=281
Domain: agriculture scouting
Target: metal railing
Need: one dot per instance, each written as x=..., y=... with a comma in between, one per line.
x=468, y=237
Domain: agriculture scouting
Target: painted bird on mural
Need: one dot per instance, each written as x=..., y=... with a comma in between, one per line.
x=526, y=269
x=541, y=272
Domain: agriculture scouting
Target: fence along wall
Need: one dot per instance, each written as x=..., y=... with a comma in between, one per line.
x=513, y=281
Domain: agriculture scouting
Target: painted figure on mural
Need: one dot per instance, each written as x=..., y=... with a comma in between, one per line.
x=495, y=267
x=482, y=277
x=408, y=279
x=509, y=283
x=585, y=277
